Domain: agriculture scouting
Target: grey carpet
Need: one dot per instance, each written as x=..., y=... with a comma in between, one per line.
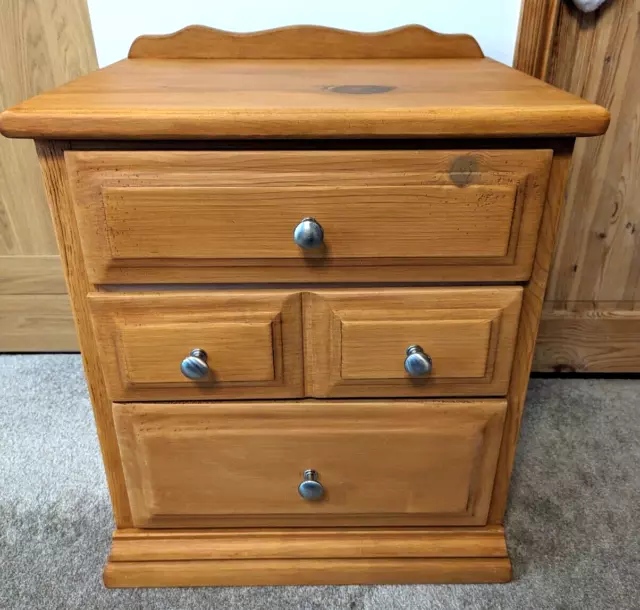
x=573, y=522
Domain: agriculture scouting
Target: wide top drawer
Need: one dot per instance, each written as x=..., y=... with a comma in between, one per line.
x=201, y=216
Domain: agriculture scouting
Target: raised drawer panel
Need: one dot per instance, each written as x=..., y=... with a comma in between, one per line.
x=356, y=341
x=252, y=342
x=379, y=463
x=208, y=216
x=359, y=221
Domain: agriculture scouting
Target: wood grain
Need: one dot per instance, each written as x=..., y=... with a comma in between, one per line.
x=36, y=323
x=225, y=465
x=161, y=99
x=237, y=465
x=359, y=221
x=355, y=340
x=536, y=36
x=598, y=255
x=252, y=338
x=530, y=315
x=422, y=212
x=20, y=275
x=134, y=552
x=591, y=341
x=305, y=42
x=45, y=43
x=307, y=543
x=56, y=183
x=243, y=572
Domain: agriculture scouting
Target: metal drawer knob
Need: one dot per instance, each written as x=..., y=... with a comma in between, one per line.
x=417, y=363
x=195, y=366
x=311, y=489
x=309, y=234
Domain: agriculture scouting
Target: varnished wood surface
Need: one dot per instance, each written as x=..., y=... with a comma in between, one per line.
x=591, y=341
x=596, y=56
x=56, y=183
x=36, y=323
x=96, y=378
x=182, y=98
x=598, y=255
x=532, y=303
x=305, y=42
x=35, y=315
x=252, y=338
x=242, y=572
x=31, y=274
x=44, y=43
x=536, y=36
x=289, y=556
x=423, y=212
x=381, y=463
x=384, y=463
x=356, y=340
x=300, y=543
x=359, y=221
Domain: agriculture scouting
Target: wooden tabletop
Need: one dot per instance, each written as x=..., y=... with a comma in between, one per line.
x=166, y=98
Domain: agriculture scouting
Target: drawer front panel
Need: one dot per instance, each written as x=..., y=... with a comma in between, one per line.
x=174, y=216
x=359, y=222
x=356, y=341
x=379, y=463
x=251, y=343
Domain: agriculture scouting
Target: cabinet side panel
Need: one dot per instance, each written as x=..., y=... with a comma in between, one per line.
x=51, y=157
x=529, y=322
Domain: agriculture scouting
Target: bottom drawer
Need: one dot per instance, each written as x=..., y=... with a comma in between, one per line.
x=376, y=462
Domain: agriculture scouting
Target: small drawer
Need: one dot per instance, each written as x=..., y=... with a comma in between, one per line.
x=373, y=463
x=197, y=345
x=357, y=342
x=215, y=216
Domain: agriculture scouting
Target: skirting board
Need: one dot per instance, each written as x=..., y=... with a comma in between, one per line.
x=589, y=342
x=35, y=311
x=36, y=323
x=299, y=556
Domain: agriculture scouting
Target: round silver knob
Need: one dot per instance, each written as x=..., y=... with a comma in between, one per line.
x=195, y=366
x=417, y=363
x=309, y=234
x=311, y=489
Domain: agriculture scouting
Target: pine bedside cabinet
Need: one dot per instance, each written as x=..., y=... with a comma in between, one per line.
x=307, y=268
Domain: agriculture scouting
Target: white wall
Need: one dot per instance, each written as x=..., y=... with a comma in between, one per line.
x=116, y=23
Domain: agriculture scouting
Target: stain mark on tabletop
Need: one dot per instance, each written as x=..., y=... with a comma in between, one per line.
x=359, y=89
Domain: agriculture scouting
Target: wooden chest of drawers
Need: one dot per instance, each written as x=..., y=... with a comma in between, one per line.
x=307, y=268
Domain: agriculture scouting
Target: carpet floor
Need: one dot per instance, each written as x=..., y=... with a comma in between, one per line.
x=573, y=526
